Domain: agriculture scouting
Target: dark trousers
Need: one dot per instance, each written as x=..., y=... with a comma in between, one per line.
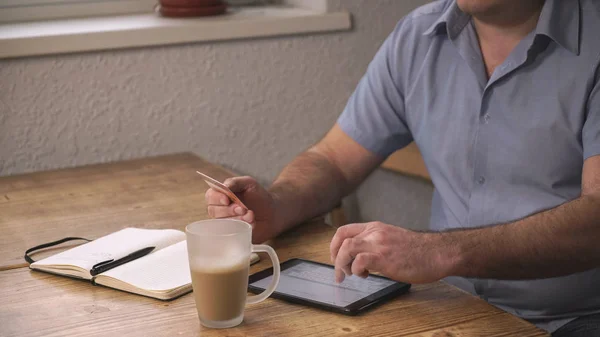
x=585, y=326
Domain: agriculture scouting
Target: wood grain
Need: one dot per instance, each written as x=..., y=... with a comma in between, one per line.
x=39, y=304
x=164, y=192
x=92, y=201
x=407, y=161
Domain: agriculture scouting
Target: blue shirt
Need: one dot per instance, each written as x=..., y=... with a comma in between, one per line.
x=497, y=149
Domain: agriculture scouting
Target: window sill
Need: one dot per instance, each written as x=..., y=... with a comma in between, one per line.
x=100, y=33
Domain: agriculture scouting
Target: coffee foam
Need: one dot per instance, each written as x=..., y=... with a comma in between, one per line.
x=221, y=264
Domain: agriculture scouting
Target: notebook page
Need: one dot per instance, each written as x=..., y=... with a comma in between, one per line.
x=164, y=270
x=114, y=246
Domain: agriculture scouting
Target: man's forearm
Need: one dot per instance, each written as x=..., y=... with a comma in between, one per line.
x=557, y=242
x=309, y=186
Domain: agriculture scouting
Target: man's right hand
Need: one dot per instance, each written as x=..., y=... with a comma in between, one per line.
x=261, y=204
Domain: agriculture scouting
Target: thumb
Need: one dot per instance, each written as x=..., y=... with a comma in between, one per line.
x=239, y=184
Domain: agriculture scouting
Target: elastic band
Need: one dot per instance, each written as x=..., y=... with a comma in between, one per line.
x=49, y=244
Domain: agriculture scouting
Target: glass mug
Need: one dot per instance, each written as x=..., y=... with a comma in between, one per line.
x=219, y=256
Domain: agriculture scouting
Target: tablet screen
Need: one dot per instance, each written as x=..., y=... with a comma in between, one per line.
x=317, y=283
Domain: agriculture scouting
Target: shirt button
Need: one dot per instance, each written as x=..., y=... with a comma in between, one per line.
x=481, y=180
x=486, y=118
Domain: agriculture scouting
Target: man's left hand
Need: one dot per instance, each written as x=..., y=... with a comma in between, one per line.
x=395, y=252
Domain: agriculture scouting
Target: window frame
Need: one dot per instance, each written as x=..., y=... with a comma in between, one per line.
x=37, y=10
x=134, y=30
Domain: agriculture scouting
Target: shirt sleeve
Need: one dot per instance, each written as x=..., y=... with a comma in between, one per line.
x=591, y=129
x=374, y=115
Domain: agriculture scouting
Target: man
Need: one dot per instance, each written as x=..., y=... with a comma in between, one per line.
x=503, y=99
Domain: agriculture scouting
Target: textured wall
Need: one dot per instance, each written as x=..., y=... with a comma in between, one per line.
x=250, y=105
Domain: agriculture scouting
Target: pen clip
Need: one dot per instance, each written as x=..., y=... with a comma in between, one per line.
x=109, y=264
x=96, y=269
x=97, y=265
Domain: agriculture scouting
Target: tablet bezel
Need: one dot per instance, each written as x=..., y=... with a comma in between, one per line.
x=383, y=295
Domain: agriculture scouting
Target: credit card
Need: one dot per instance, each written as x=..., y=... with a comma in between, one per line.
x=217, y=185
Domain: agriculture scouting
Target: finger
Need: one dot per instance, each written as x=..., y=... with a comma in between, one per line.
x=249, y=217
x=363, y=262
x=347, y=267
x=241, y=217
x=343, y=233
x=213, y=197
x=344, y=260
x=217, y=211
x=339, y=275
x=240, y=184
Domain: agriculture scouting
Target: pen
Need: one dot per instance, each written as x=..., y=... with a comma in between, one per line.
x=103, y=266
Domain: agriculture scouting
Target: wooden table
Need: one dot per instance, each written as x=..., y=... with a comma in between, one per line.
x=164, y=192
x=92, y=201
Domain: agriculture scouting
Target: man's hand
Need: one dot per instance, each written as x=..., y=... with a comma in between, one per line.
x=261, y=214
x=395, y=252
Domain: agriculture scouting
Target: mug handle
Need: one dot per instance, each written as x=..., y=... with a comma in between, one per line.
x=276, y=271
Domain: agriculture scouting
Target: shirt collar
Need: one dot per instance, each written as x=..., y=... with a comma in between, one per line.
x=452, y=19
x=559, y=20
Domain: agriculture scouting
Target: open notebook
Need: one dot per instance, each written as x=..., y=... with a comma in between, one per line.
x=163, y=274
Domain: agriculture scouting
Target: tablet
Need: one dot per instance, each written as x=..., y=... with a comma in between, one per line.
x=312, y=283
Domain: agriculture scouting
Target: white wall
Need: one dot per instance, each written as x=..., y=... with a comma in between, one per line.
x=250, y=105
